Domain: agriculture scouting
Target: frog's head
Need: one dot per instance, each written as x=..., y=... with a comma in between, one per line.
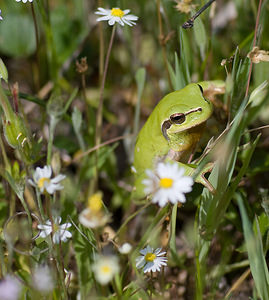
x=184, y=109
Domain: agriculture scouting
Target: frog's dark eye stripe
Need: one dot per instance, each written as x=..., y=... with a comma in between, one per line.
x=202, y=92
x=193, y=110
x=178, y=118
x=166, y=125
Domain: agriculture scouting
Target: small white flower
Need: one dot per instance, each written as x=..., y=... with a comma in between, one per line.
x=125, y=248
x=69, y=276
x=168, y=184
x=59, y=232
x=151, y=260
x=105, y=268
x=91, y=220
x=10, y=288
x=24, y=1
x=42, y=279
x=116, y=15
x=1, y=18
x=94, y=215
x=43, y=181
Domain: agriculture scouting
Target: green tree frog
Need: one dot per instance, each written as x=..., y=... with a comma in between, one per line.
x=173, y=130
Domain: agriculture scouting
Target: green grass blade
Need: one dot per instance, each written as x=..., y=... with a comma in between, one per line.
x=256, y=257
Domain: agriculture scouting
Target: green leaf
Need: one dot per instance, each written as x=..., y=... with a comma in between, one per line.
x=185, y=55
x=213, y=211
x=76, y=119
x=256, y=102
x=240, y=73
x=172, y=242
x=140, y=77
x=256, y=257
x=84, y=252
x=200, y=36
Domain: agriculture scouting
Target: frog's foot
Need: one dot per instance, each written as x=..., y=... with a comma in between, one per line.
x=201, y=178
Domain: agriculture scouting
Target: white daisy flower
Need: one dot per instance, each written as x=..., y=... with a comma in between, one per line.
x=105, y=268
x=125, y=248
x=116, y=15
x=42, y=279
x=151, y=260
x=10, y=288
x=59, y=232
x=43, y=181
x=91, y=220
x=94, y=215
x=168, y=184
x=1, y=18
x=24, y=1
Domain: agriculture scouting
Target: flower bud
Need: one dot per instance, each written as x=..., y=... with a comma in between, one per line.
x=3, y=71
x=259, y=94
x=13, y=125
x=16, y=133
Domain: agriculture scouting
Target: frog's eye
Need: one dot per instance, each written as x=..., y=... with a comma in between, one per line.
x=177, y=118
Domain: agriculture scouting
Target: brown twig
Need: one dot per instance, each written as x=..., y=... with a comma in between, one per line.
x=189, y=23
x=118, y=138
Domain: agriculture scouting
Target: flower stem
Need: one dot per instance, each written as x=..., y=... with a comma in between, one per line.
x=254, y=44
x=161, y=40
x=130, y=218
x=101, y=44
x=151, y=285
x=53, y=122
x=25, y=206
x=61, y=270
x=40, y=207
x=36, y=27
x=37, y=45
x=50, y=45
x=99, y=117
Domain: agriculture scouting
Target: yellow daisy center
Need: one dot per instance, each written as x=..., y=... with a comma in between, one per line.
x=150, y=257
x=56, y=227
x=105, y=269
x=95, y=202
x=41, y=182
x=117, y=12
x=166, y=183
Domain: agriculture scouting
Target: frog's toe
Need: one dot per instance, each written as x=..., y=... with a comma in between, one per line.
x=201, y=179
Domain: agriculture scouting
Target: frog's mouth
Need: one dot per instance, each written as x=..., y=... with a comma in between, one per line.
x=176, y=118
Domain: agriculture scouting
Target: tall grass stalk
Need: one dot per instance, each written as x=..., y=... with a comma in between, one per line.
x=99, y=116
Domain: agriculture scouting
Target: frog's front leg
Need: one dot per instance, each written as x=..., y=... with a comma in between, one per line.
x=200, y=178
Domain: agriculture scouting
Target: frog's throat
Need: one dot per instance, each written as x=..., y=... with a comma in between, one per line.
x=167, y=123
x=175, y=155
